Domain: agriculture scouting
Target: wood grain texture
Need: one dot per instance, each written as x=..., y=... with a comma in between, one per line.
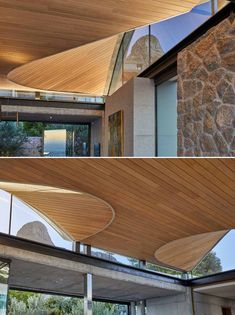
x=192, y=248
x=31, y=30
x=156, y=201
x=6, y=84
x=72, y=211
x=80, y=70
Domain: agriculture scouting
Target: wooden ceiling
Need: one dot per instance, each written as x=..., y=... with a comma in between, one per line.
x=72, y=211
x=76, y=70
x=190, y=248
x=156, y=201
x=32, y=30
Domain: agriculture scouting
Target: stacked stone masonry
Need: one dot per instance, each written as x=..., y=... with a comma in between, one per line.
x=206, y=94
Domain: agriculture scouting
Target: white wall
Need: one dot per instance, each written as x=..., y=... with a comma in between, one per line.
x=211, y=305
x=144, y=117
x=181, y=304
x=136, y=99
x=171, y=305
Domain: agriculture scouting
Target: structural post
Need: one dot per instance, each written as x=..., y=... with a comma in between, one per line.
x=186, y=276
x=213, y=6
x=87, y=250
x=141, y=308
x=142, y=264
x=88, y=294
x=132, y=310
x=77, y=247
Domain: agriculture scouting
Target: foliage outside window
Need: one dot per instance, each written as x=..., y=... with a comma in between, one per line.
x=28, y=303
x=209, y=265
x=12, y=138
x=15, y=138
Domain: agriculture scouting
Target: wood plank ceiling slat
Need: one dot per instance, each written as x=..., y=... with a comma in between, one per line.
x=34, y=30
x=159, y=203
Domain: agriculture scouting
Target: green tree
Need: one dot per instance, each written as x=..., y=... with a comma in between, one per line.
x=34, y=129
x=210, y=264
x=12, y=138
x=27, y=303
x=16, y=307
x=20, y=296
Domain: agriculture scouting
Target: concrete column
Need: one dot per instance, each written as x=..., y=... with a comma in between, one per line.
x=191, y=301
x=77, y=248
x=87, y=250
x=141, y=308
x=142, y=264
x=88, y=294
x=132, y=309
x=212, y=7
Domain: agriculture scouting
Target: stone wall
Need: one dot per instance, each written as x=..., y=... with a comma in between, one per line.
x=206, y=94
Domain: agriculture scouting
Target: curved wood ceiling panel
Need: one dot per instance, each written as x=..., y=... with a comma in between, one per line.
x=6, y=84
x=72, y=211
x=31, y=30
x=192, y=248
x=156, y=201
x=84, y=69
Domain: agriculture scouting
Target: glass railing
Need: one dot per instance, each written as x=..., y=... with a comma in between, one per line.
x=47, y=96
x=134, y=262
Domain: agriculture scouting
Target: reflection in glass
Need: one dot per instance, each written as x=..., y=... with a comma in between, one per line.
x=164, y=270
x=27, y=223
x=136, y=56
x=156, y=51
x=55, y=142
x=143, y=46
x=36, y=139
x=167, y=118
x=4, y=274
x=5, y=199
x=221, y=4
x=116, y=81
x=114, y=257
x=171, y=31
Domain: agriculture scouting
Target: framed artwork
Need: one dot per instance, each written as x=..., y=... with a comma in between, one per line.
x=115, y=134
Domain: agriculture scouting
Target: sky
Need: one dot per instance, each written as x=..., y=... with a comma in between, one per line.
x=171, y=31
